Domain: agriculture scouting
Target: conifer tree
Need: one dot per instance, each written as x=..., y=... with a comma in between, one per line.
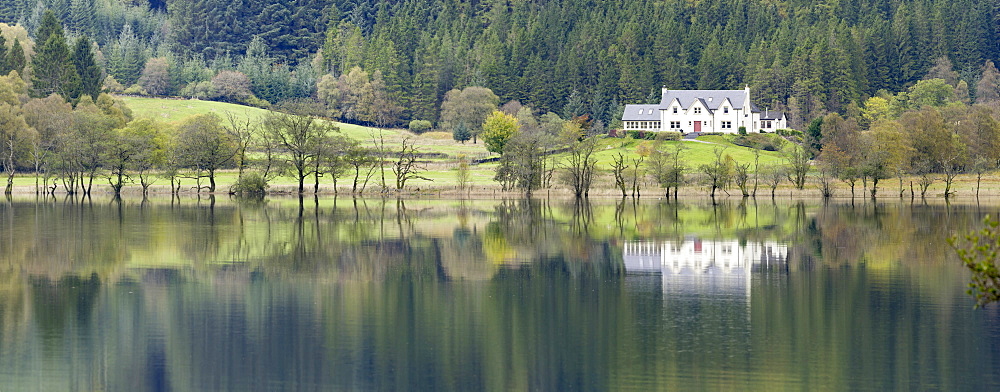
x=81, y=17
x=49, y=25
x=126, y=58
x=53, y=67
x=16, y=58
x=424, y=100
x=4, y=57
x=86, y=68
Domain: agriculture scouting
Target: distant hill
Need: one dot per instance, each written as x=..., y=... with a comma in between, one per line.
x=572, y=57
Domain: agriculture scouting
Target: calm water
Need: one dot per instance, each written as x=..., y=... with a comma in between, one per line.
x=488, y=295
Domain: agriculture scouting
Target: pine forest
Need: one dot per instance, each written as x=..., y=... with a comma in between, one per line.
x=571, y=57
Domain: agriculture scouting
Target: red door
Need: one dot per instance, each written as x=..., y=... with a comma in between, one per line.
x=697, y=126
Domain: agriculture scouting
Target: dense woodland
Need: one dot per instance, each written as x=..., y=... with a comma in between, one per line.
x=571, y=57
x=882, y=89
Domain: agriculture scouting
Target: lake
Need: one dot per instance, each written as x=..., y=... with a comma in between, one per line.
x=350, y=294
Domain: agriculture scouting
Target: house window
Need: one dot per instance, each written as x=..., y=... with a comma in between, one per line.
x=727, y=125
x=675, y=125
x=725, y=109
x=697, y=110
x=675, y=110
x=765, y=124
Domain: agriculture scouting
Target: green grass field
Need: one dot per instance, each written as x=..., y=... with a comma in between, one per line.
x=175, y=111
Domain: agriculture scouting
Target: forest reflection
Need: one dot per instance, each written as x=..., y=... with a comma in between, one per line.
x=73, y=237
x=203, y=294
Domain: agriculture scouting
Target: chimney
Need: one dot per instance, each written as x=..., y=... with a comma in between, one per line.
x=664, y=90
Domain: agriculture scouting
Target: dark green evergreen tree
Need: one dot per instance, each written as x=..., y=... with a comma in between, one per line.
x=424, y=97
x=4, y=57
x=86, y=68
x=12, y=10
x=16, y=60
x=461, y=133
x=81, y=17
x=49, y=25
x=126, y=57
x=52, y=66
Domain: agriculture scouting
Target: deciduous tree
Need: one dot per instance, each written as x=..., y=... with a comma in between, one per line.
x=204, y=145
x=302, y=138
x=578, y=172
x=155, y=78
x=470, y=106
x=498, y=128
x=16, y=138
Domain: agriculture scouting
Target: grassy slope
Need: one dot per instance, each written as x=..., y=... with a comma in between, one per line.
x=174, y=111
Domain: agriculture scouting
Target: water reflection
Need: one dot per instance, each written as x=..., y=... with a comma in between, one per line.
x=722, y=267
x=314, y=294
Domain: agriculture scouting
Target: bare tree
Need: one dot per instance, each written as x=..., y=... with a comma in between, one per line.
x=774, y=176
x=246, y=133
x=741, y=176
x=635, y=174
x=618, y=168
x=579, y=170
x=406, y=167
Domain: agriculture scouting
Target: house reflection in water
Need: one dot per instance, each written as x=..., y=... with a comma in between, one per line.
x=696, y=266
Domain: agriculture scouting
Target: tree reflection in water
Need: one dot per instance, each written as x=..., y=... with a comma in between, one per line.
x=203, y=294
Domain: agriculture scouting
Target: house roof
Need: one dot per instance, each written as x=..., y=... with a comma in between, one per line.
x=771, y=115
x=712, y=99
x=641, y=113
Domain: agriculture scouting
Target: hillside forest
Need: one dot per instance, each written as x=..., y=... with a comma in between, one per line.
x=571, y=57
x=878, y=89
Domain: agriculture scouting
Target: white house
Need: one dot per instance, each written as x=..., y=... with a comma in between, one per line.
x=687, y=111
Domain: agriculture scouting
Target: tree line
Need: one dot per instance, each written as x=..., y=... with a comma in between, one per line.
x=70, y=147
x=571, y=57
x=932, y=131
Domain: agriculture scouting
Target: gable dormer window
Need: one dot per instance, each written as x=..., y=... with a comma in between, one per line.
x=697, y=110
